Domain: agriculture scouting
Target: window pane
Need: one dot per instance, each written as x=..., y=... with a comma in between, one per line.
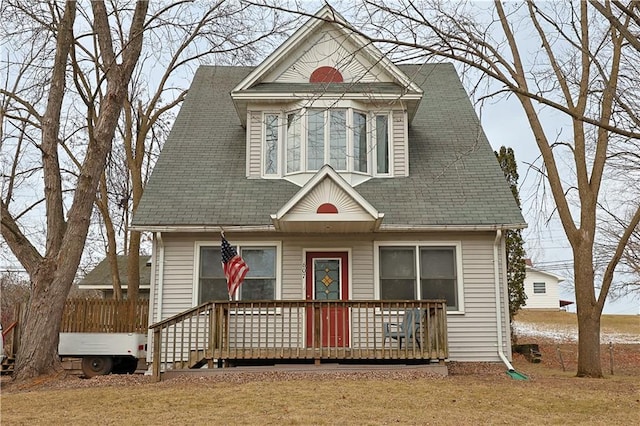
x=271, y=144
x=397, y=273
x=258, y=289
x=440, y=289
x=261, y=261
x=293, y=142
x=438, y=275
x=213, y=289
x=395, y=289
x=213, y=284
x=315, y=139
x=437, y=263
x=338, y=139
x=382, y=143
x=260, y=281
x=210, y=262
x=397, y=262
x=359, y=142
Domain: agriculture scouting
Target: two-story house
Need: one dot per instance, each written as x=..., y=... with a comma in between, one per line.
x=356, y=190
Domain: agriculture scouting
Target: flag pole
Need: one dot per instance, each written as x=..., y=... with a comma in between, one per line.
x=222, y=235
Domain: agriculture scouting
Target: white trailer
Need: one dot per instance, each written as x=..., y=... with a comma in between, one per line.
x=103, y=353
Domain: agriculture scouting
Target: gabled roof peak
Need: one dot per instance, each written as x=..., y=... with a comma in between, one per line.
x=298, y=46
x=327, y=203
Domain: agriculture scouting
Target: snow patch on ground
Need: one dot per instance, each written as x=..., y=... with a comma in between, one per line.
x=569, y=334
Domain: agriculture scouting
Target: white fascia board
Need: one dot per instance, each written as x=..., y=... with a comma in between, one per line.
x=325, y=171
x=557, y=277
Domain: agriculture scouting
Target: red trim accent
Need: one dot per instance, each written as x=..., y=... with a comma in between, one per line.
x=327, y=208
x=326, y=75
x=334, y=321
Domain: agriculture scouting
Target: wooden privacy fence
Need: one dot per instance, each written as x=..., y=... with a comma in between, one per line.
x=220, y=331
x=105, y=316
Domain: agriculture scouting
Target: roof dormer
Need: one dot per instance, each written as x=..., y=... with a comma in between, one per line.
x=326, y=60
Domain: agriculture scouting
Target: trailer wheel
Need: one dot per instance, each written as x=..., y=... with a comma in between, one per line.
x=96, y=365
x=131, y=365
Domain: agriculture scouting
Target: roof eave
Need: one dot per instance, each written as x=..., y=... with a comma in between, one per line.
x=271, y=228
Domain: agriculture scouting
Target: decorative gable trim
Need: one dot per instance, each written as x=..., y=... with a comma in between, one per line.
x=326, y=14
x=327, y=203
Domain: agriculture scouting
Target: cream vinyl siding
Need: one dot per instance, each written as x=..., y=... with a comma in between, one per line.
x=254, y=142
x=472, y=335
x=550, y=299
x=178, y=275
x=399, y=150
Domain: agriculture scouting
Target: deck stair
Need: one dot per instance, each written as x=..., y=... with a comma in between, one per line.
x=8, y=365
x=198, y=358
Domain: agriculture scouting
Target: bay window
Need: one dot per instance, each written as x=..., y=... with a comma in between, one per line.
x=349, y=140
x=420, y=272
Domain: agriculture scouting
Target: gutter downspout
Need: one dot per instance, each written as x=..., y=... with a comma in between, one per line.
x=159, y=294
x=496, y=274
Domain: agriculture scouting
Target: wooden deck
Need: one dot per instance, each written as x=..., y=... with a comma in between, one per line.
x=220, y=333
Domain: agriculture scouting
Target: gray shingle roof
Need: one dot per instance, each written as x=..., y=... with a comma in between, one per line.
x=455, y=179
x=101, y=274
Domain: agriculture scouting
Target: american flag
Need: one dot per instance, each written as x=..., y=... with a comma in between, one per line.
x=233, y=266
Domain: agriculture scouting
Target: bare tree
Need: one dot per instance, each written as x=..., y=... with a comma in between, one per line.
x=179, y=38
x=52, y=273
x=581, y=68
x=111, y=96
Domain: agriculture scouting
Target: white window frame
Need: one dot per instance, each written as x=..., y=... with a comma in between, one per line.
x=263, y=144
x=238, y=246
x=457, y=245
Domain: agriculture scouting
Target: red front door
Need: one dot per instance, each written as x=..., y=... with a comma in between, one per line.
x=327, y=276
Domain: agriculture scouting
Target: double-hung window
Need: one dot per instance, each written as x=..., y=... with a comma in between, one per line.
x=259, y=283
x=408, y=272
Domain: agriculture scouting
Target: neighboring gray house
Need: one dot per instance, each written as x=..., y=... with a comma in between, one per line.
x=339, y=176
x=99, y=278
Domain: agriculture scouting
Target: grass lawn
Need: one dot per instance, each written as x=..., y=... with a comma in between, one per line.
x=483, y=394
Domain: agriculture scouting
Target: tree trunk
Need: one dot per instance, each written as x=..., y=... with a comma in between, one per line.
x=112, y=256
x=588, y=313
x=38, y=351
x=133, y=267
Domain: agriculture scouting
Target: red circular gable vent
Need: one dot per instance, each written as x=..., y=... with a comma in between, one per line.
x=327, y=208
x=326, y=75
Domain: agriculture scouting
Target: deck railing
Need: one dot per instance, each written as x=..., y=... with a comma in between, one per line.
x=219, y=332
